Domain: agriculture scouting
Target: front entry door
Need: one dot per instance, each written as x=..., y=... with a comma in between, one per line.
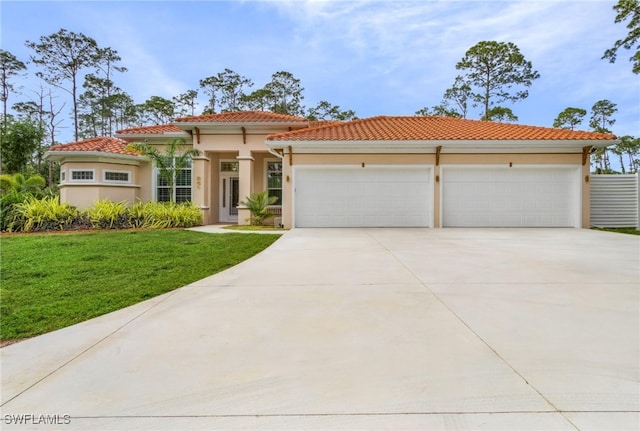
x=229, y=193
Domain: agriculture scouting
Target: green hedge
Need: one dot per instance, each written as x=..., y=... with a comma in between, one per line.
x=46, y=214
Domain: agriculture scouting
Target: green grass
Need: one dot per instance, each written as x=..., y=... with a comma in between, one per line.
x=50, y=281
x=627, y=230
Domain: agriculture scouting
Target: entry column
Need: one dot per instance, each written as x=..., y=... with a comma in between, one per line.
x=200, y=197
x=245, y=186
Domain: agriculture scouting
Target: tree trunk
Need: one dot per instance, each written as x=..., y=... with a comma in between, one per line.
x=75, y=110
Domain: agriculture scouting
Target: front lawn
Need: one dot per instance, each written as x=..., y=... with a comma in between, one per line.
x=50, y=281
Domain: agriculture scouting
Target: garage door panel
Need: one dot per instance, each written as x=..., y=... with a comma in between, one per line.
x=373, y=196
x=510, y=197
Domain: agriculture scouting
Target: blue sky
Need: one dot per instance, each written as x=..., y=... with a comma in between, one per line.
x=375, y=57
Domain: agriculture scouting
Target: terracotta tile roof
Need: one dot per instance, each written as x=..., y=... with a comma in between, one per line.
x=102, y=145
x=320, y=123
x=385, y=128
x=150, y=130
x=243, y=117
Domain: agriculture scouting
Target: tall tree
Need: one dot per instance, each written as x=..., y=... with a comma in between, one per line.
x=601, y=116
x=125, y=111
x=10, y=66
x=94, y=111
x=326, y=111
x=569, y=118
x=170, y=161
x=62, y=56
x=258, y=100
x=500, y=114
x=20, y=140
x=630, y=146
x=287, y=94
x=156, y=110
x=601, y=119
x=226, y=89
x=99, y=107
x=103, y=86
x=492, y=69
x=441, y=110
x=186, y=103
x=627, y=10
x=232, y=87
x=43, y=112
x=459, y=94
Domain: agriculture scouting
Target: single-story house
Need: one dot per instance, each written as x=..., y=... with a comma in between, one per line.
x=380, y=171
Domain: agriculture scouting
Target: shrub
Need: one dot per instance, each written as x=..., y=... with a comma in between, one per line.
x=15, y=189
x=42, y=214
x=24, y=212
x=34, y=184
x=7, y=208
x=159, y=215
x=105, y=214
x=258, y=204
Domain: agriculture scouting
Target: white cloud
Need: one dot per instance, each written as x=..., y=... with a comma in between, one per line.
x=376, y=57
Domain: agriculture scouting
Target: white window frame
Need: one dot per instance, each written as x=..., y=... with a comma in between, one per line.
x=106, y=171
x=63, y=175
x=92, y=180
x=236, y=162
x=155, y=184
x=266, y=179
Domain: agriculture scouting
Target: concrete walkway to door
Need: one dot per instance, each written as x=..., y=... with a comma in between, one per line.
x=370, y=329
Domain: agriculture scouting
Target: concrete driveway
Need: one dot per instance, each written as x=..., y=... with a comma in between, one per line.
x=360, y=329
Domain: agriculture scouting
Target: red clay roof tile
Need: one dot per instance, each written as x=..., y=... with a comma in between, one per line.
x=243, y=117
x=150, y=130
x=102, y=145
x=385, y=128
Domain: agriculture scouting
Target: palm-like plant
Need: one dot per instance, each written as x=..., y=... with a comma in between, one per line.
x=174, y=158
x=19, y=184
x=258, y=205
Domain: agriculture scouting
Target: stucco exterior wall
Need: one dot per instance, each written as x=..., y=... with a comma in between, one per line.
x=209, y=171
x=232, y=142
x=83, y=193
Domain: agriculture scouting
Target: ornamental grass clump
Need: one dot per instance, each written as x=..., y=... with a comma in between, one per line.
x=105, y=214
x=162, y=215
x=48, y=213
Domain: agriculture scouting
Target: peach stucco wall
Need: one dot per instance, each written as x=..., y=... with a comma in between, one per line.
x=83, y=194
x=207, y=173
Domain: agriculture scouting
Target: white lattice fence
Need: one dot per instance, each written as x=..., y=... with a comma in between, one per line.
x=615, y=201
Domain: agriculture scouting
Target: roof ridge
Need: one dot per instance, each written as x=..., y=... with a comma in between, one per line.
x=141, y=129
x=274, y=115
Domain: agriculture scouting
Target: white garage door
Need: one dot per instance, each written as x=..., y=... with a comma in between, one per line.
x=510, y=197
x=363, y=197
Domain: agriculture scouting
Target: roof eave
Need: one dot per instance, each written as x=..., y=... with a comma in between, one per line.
x=452, y=146
x=131, y=136
x=268, y=124
x=59, y=155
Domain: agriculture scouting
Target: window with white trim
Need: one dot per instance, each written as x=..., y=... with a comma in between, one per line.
x=181, y=186
x=82, y=175
x=63, y=175
x=116, y=176
x=274, y=180
x=227, y=166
